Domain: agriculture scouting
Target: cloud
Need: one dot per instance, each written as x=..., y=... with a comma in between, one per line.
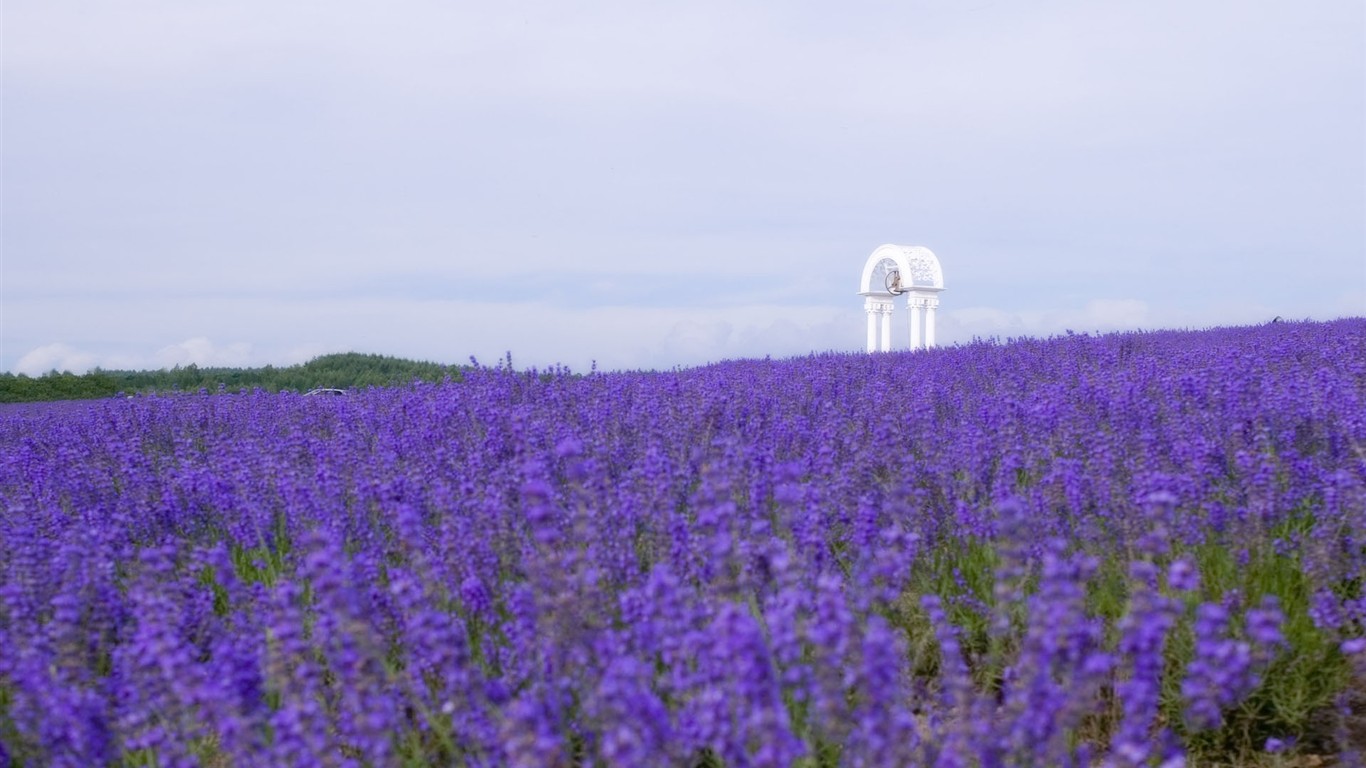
x=1126, y=314
x=1115, y=314
x=537, y=332
x=198, y=351
x=55, y=357
x=204, y=353
x=961, y=325
x=1096, y=315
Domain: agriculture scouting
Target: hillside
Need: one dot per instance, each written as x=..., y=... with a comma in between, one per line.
x=348, y=370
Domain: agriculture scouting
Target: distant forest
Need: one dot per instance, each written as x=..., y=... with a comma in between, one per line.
x=349, y=370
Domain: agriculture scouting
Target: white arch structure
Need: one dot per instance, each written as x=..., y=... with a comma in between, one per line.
x=891, y=271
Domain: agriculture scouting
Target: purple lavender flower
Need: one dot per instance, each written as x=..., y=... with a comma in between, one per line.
x=1143, y=638
x=1218, y=675
x=739, y=699
x=1264, y=628
x=636, y=725
x=1183, y=576
x=1325, y=610
x=884, y=730
x=531, y=733
x=1274, y=744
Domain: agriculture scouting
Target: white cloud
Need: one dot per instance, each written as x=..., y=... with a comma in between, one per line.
x=537, y=333
x=199, y=351
x=55, y=357
x=1097, y=315
x=1108, y=315
x=204, y=353
x=1116, y=314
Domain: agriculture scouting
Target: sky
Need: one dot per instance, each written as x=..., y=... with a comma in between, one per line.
x=635, y=184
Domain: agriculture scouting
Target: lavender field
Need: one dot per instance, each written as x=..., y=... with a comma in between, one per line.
x=1133, y=549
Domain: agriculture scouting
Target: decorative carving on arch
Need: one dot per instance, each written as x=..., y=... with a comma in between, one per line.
x=917, y=261
x=893, y=270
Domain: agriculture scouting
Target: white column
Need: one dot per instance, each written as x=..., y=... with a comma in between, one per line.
x=913, y=309
x=887, y=328
x=872, y=327
x=929, y=322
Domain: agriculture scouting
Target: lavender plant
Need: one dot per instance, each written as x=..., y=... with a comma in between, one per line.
x=1132, y=549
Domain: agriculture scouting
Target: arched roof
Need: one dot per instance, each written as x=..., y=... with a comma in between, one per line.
x=918, y=265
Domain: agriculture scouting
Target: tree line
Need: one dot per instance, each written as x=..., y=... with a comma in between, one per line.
x=347, y=370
